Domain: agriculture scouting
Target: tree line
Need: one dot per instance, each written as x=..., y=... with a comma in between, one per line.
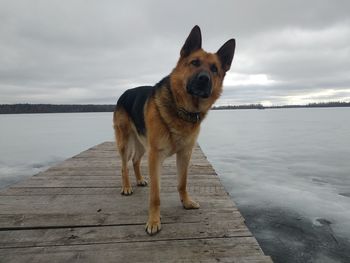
x=261, y=107
x=239, y=107
x=53, y=108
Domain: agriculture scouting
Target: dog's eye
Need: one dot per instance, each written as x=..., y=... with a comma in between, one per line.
x=196, y=62
x=213, y=68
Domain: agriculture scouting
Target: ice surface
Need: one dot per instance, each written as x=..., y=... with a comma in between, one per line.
x=295, y=161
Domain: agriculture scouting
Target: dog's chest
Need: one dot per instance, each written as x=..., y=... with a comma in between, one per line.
x=183, y=141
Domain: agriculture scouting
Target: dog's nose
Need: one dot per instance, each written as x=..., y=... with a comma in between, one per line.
x=200, y=85
x=203, y=77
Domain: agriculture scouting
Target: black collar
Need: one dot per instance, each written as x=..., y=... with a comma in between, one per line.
x=192, y=117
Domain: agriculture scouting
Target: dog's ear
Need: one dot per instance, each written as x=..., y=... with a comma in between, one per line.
x=225, y=54
x=193, y=42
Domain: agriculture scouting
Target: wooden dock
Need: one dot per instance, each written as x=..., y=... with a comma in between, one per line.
x=73, y=212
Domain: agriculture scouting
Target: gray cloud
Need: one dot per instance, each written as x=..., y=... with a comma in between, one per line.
x=91, y=51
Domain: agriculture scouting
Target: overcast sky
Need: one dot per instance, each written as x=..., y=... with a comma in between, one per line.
x=74, y=51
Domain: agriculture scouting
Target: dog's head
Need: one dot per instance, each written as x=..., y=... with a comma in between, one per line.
x=198, y=76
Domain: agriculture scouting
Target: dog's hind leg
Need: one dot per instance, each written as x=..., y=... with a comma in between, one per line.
x=122, y=131
x=139, y=152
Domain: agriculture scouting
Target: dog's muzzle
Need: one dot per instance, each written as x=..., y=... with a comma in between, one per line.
x=200, y=85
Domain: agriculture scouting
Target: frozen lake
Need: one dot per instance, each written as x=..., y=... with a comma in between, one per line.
x=287, y=169
x=289, y=172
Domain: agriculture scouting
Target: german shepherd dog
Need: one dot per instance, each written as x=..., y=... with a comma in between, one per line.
x=165, y=119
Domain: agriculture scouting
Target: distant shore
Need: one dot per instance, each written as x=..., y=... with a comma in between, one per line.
x=262, y=107
x=70, y=108
x=54, y=108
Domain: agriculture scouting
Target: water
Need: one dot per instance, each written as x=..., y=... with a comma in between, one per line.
x=288, y=170
x=30, y=143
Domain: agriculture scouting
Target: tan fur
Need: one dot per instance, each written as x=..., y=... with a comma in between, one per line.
x=167, y=134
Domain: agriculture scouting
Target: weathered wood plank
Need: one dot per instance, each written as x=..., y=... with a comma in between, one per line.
x=73, y=212
x=238, y=249
x=110, y=182
x=55, y=220
x=92, y=203
x=194, y=189
x=218, y=228
x=72, y=171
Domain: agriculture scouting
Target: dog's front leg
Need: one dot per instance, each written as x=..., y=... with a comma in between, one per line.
x=153, y=225
x=182, y=161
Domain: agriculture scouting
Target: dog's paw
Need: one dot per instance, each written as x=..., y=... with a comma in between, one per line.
x=142, y=182
x=153, y=227
x=190, y=204
x=126, y=190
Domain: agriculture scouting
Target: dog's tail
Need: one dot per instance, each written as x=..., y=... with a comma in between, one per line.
x=115, y=119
